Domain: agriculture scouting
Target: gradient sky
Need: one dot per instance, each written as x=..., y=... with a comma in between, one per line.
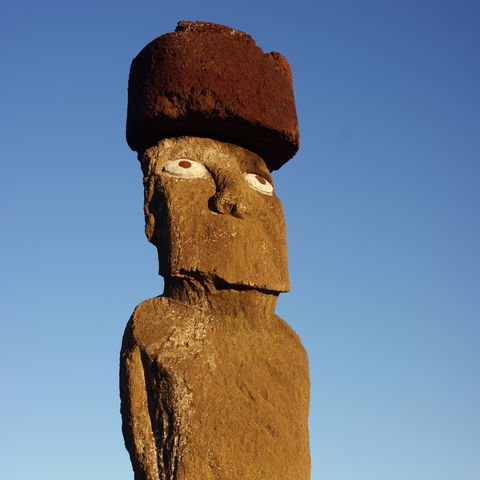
x=382, y=209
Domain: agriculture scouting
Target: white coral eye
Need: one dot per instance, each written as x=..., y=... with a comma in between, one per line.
x=184, y=168
x=259, y=183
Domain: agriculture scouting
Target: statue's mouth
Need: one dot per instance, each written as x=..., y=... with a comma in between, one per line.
x=218, y=283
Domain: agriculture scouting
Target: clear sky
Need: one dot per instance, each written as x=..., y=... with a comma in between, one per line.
x=382, y=209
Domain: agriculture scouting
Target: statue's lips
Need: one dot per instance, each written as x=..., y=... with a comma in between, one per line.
x=220, y=283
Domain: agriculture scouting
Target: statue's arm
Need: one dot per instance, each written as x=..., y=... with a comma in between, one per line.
x=136, y=422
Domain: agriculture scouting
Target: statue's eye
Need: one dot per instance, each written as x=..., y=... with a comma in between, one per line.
x=259, y=183
x=184, y=168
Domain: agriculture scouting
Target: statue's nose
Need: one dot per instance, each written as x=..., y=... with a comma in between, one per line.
x=230, y=197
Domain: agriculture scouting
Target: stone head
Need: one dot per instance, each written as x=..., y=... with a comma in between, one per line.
x=211, y=116
x=212, y=212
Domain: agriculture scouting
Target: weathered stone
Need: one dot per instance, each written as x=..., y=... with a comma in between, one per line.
x=214, y=385
x=216, y=226
x=212, y=81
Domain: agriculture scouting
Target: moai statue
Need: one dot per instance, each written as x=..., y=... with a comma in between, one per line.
x=213, y=384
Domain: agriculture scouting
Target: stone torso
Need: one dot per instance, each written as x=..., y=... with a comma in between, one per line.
x=226, y=387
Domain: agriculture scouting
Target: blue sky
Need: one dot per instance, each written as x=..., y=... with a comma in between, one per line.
x=382, y=209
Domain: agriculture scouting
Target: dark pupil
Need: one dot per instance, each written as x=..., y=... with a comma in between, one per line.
x=260, y=179
x=185, y=164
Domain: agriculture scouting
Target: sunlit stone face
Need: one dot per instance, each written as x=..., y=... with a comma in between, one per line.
x=211, y=210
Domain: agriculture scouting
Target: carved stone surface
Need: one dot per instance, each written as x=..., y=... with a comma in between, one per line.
x=215, y=226
x=213, y=81
x=213, y=384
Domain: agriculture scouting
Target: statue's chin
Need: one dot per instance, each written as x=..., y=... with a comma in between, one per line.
x=216, y=282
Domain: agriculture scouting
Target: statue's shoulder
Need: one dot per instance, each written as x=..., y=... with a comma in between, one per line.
x=291, y=342
x=151, y=309
x=286, y=330
x=152, y=320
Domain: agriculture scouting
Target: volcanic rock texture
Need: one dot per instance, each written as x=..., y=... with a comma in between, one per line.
x=214, y=385
x=213, y=81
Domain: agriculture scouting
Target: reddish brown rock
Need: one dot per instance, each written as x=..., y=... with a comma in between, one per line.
x=214, y=385
x=212, y=81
